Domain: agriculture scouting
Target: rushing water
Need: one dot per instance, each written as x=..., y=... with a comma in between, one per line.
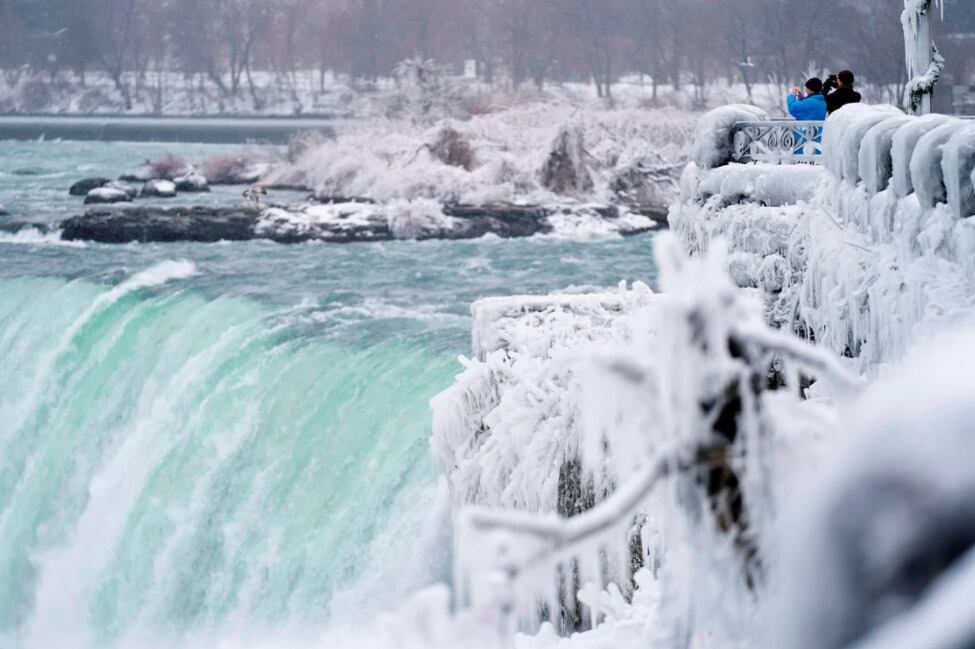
x=215, y=445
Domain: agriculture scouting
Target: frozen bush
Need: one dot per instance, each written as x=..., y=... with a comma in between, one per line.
x=453, y=149
x=566, y=170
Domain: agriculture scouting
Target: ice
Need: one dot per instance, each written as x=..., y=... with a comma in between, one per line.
x=958, y=165
x=843, y=132
x=853, y=138
x=739, y=183
x=868, y=271
x=503, y=431
x=904, y=142
x=926, y=174
x=504, y=157
x=713, y=134
x=885, y=546
x=876, y=163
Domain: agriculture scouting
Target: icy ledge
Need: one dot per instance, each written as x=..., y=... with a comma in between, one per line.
x=868, y=254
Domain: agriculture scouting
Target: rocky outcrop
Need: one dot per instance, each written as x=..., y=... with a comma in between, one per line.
x=85, y=185
x=337, y=223
x=150, y=224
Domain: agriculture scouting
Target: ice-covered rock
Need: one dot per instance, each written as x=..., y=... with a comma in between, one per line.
x=107, y=195
x=344, y=221
x=129, y=188
x=714, y=133
x=191, y=183
x=158, y=189
x=85, y=185
x=419, y=219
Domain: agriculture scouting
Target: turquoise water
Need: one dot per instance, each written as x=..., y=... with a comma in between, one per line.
x=227, y=445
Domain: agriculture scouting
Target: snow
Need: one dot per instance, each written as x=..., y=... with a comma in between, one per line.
x=503, y=431
x=159, y=188
x=876, y=162
x=843, y=132
x=508, y=152
x=741, y=183
x=332, y=218
x=853, y=137
x=869, y=551
x=618, y=381
x=926, y=173
x=107, y=195
x=958, y=164
x=713, y=133
x=857, y=522
x=868, y=271
x=903, y=147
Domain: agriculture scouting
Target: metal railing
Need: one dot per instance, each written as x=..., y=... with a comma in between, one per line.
x=778, y=142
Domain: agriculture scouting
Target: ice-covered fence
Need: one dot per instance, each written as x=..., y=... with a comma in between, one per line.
x=870, y=251
x=778, y=142
x=742, y=133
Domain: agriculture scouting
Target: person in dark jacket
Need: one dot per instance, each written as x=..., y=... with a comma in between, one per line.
x=839, y=91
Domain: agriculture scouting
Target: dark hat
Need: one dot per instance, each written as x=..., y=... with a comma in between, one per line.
x=846, y=77
x=815, y=84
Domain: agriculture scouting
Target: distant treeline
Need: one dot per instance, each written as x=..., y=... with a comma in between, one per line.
x=679, y=42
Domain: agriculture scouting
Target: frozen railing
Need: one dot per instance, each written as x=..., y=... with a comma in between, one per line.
x=778, y=142
x=706, y=346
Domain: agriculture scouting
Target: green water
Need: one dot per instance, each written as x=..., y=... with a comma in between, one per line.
x=206, y=445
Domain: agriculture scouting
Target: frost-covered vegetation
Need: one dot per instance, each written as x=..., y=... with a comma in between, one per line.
x=539, y=153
